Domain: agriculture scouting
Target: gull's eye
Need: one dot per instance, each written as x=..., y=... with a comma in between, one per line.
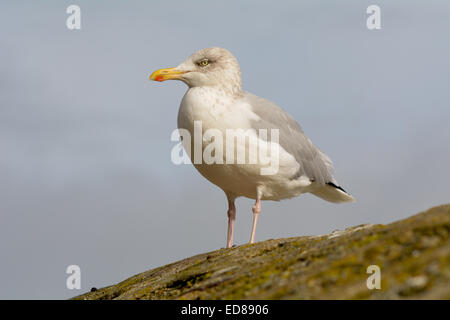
x=203, y=63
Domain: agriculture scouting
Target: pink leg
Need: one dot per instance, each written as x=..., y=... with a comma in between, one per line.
x=256, y=210
x=231, y=218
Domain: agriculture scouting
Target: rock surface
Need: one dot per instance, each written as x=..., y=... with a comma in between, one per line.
x=413, y=255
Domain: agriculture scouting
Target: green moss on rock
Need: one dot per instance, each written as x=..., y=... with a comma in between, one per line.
x=413, y=254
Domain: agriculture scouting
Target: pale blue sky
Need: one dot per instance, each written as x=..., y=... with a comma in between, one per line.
x=85, y=170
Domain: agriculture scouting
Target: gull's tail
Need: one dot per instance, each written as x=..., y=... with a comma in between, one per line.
x=333, y=193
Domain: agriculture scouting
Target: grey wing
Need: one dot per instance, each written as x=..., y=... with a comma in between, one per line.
x=316, y=165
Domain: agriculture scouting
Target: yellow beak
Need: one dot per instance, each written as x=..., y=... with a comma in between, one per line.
x=166, y=74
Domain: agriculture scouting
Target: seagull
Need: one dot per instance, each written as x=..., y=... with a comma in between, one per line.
x=215, y=99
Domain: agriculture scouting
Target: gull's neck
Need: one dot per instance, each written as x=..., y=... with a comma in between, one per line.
x=230, y=89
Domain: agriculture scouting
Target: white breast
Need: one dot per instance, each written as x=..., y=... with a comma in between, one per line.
x=215, y=110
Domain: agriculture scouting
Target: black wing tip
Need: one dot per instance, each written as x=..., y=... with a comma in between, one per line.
x=337, y=187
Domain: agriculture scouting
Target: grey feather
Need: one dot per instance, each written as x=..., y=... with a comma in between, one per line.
x=316, y=165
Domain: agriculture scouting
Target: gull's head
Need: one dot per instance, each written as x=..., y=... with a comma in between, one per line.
x=213, y=67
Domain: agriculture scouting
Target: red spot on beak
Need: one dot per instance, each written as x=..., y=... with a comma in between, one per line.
x=159, y=78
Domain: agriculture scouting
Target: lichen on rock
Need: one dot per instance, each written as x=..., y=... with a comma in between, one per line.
x=413, y=255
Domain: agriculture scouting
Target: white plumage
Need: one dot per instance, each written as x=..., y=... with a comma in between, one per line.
x=215, y=97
